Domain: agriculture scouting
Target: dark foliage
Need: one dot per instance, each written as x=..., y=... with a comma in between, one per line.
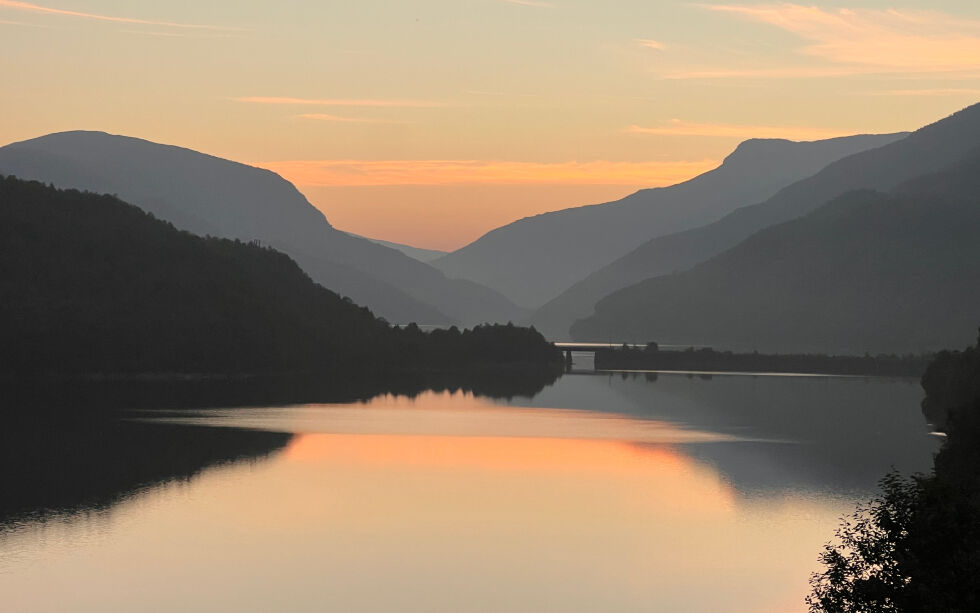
x=916, y=548
x=951, y=381
x=488, y=344
x=89, y=284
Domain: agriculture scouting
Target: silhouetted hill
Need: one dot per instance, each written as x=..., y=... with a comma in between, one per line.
x=867, y=272
x=89, y=284
x=927, y=150
x=212, y=196
x=534, y=259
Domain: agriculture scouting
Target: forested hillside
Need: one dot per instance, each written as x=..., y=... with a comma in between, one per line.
x=208, y=195
x=89, y=284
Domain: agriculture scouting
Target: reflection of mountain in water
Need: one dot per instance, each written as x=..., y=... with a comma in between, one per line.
x=799, y=433
x=58, y=398
x=67, y=447
x=70, y=468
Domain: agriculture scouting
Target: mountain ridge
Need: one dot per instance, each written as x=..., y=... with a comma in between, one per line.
x=533, y=259
x=867, y=272
x=926, y=150
x=209, y=195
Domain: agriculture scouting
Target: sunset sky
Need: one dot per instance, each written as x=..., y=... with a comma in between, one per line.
x=432, y=121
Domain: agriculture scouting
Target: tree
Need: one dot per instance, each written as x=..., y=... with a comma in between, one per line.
x=863, y=571
x=917, y=546
x=913, y=549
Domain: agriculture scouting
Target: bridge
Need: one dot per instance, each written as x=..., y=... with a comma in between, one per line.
x=593, y=347
x=568, y=348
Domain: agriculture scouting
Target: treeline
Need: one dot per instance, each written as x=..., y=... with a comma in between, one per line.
x=90, y=284
x=916, y=548
x=486, y=344
x=707, y=359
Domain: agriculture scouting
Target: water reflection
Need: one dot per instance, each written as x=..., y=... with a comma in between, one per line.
x=599, y=493
x=838, y=434
x=59, y=471
x=451, y=414
x=71, y=449
x=34, y=400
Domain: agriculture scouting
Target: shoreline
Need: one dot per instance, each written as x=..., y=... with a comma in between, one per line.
x=708, y=361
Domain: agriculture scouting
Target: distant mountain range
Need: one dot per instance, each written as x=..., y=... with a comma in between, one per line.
x=533, y=260
x=765, y=252
x=866, y=272
x=212, y=196
x=929, y=149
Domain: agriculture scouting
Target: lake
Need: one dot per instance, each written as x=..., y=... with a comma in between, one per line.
x=596, y=492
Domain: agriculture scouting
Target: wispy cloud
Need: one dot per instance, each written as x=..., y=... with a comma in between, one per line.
x=873, y=40
x=535, y=3
x=341, y=119
x=649, y=43
x=46, y=10
x=323, y=173
x=678, y=127
x=354, y=102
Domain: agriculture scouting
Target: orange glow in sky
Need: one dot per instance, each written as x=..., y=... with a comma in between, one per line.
x=433, y=122
x=415, y=202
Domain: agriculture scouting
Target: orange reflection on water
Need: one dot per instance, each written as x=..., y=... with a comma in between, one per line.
x=660, y=474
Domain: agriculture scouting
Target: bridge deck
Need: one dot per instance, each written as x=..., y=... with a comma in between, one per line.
x=593, y=347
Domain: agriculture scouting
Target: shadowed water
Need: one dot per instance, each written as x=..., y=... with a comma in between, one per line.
x=595, y=492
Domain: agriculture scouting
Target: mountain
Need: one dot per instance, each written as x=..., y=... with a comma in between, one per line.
x=90, y=284
x=418, y=253
x=867, y=272
x=211, y=196
x=926, y=150
x=534, y=259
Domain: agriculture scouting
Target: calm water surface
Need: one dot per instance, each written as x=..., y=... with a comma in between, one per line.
x=602, y=493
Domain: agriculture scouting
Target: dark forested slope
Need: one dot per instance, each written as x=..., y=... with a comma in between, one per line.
x=208, y=195
x=89, y=284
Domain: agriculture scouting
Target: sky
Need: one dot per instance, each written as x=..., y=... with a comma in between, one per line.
x=431, y=122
